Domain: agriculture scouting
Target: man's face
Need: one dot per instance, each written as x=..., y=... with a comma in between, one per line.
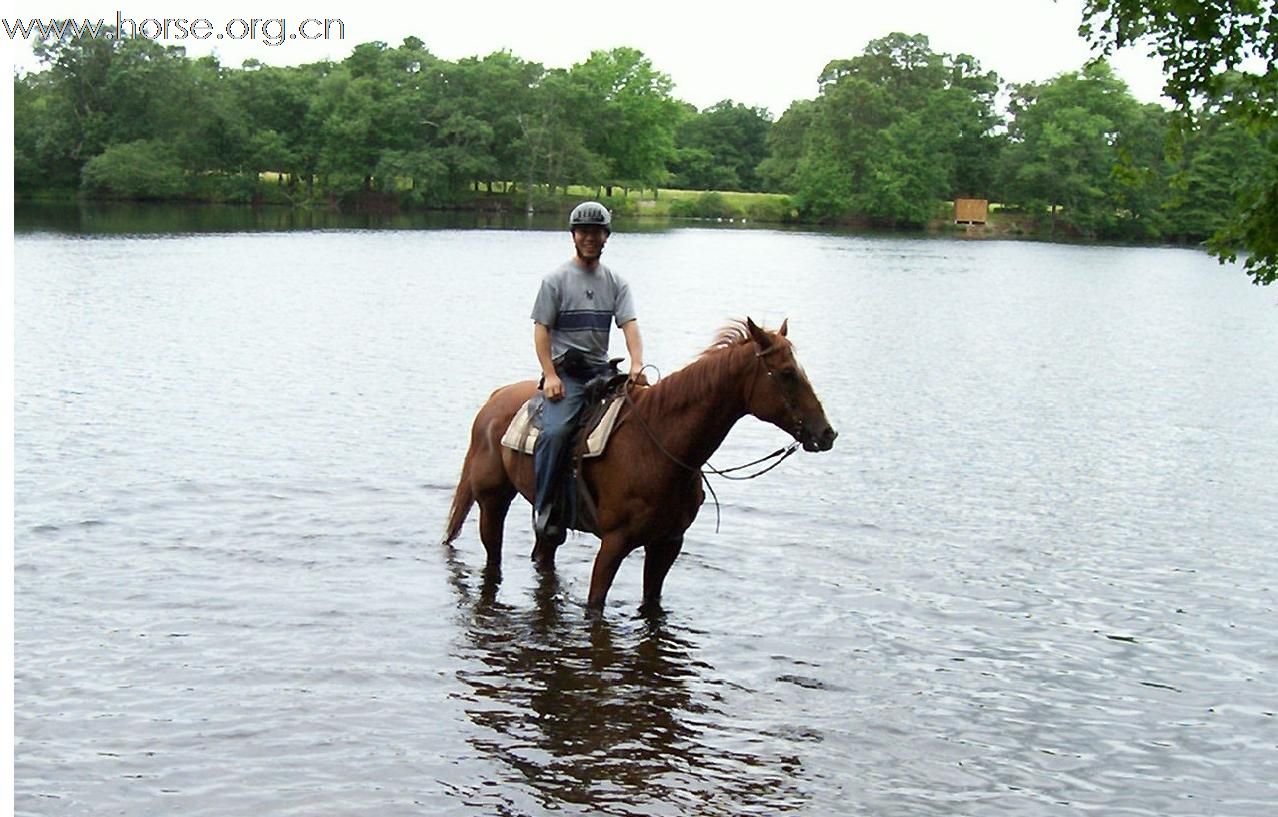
x=589, y=241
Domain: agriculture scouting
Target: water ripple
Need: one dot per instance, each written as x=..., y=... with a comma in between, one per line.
x=1033, y=577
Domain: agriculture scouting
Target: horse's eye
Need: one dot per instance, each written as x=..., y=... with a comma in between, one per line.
x=789, y=376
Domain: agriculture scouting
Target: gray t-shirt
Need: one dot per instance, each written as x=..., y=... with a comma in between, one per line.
x=578, y=306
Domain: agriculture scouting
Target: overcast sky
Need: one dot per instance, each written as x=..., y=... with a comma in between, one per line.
x=767, y=57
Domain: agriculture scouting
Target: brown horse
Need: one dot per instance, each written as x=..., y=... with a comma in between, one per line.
x=647, y=483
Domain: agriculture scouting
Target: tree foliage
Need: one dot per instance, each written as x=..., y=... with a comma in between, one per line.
x=1205, y=187
x=894, y=132
x=1082, y=147
x=391, y=121
x=786, y=146
x=628, y=117
x=721, y=148
x=136, y=170
x=1222, y=57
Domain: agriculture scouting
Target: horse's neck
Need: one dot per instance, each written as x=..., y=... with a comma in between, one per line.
x=694, y=427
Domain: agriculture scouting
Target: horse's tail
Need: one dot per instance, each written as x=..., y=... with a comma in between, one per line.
x=462, y=500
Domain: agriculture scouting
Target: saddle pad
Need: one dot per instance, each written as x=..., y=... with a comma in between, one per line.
x=521, y=434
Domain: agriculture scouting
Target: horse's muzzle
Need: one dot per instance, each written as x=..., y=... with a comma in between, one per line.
x=823, y=441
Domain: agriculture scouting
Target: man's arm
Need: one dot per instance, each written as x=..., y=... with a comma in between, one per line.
x=634, y=347
x=553, y=387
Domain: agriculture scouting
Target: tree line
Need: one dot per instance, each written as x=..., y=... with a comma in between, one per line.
x=893, y=134
x=135, y=119
x=901, y=128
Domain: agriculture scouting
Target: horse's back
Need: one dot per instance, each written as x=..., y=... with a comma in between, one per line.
x=486, y=467
x=501, y=406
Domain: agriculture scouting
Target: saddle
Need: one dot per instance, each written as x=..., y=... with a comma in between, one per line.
x=598, y=418
x=595, y=424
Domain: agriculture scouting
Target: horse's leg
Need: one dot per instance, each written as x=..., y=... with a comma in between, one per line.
x=657, y=559
x=611, y=552
x=493, y=506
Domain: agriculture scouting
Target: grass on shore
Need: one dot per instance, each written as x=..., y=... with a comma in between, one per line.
x=709, y=204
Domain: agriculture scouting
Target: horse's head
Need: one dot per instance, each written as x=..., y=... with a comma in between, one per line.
x=778, y=391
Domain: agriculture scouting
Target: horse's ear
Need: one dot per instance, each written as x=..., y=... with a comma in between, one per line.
x=758, y=335
x=785, y=325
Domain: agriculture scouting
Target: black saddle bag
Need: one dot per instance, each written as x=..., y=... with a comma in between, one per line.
x=576, y=365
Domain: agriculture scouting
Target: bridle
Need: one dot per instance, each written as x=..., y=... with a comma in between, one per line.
x=762, y=356
x=780, y=454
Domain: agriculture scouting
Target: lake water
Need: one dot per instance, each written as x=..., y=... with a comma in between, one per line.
x=1035, y=576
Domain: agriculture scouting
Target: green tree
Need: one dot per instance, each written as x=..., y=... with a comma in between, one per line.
x=628, y=117
x=44, y=136
x=145, y=169
x=1207, y=185
x=721, y=147
x=1139, y=178
x=411, y=155
x=477, y=109
x=895, y=131
x=79, y=70
x=1077, y=149
x=551, y=147
x=101, y=91
x=785, y=143
x=496, y=90
x=277, y=102
x=378, y=114
x=966, y=112
x=824, y=185
x=1208, y=51
x=350, y=146
x=97, y=93
x=207, y=126
x=907, y=176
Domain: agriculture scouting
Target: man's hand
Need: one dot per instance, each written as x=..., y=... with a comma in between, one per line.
x=554, y=388
x=637, y=377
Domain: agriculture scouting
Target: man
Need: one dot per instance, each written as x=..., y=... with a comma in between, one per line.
x=572, y=316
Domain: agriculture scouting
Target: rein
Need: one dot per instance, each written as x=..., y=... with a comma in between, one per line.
x=780, y=454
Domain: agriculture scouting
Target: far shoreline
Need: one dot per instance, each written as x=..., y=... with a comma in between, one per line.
x=80, y=214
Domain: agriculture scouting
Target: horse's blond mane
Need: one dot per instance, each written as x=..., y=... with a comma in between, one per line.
x=695, y=381
x=735, y=333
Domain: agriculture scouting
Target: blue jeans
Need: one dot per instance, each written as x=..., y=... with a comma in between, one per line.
x=557, y=426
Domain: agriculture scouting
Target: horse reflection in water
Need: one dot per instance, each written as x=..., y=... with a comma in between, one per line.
x=592, y=718
x=648, y=480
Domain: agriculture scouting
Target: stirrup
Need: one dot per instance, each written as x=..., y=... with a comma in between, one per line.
x=546, y=525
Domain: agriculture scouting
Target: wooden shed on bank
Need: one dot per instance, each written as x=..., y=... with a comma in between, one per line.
x=971, y=211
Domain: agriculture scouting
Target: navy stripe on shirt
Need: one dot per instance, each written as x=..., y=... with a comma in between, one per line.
x=583, y=320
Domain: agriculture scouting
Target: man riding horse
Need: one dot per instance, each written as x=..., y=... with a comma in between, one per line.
x=573, y=313
x=646, y=483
